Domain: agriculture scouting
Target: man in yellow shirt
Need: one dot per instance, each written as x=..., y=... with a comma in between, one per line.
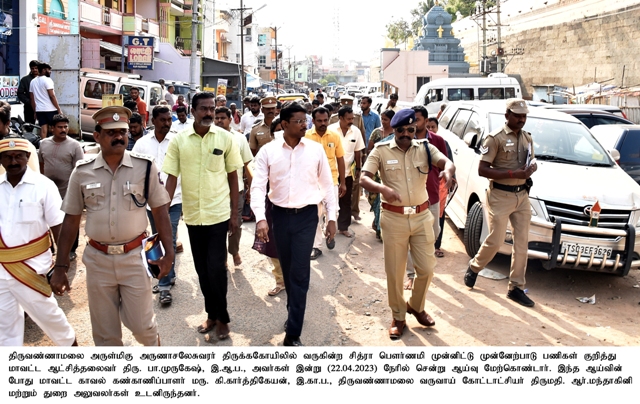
x=332, y=143
x=207, y=157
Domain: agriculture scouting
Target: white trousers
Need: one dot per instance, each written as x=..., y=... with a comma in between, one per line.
x=15, y=299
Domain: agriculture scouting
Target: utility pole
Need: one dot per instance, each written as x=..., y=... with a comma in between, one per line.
x=499, y=51
x=275, y=29
x=243, y=77
x=484, y=38
x=194, y=49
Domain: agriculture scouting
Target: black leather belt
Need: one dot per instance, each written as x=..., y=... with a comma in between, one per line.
x=293, y=211
x=510, y=188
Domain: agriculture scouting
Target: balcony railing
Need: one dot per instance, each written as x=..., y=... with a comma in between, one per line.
x=91, y=12
x=184, y=44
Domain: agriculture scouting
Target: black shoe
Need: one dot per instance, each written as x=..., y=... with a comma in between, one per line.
x=518, y=296
x=470, y=278
x=331, y=244
x=165, y=297
x=73, y=256
x=315, y=253
x=291, y=341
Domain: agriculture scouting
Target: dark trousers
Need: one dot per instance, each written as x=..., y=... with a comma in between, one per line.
x=209, y=249
x=294, y=234
x=344, y=216
x=439, y=239
x=29, y=114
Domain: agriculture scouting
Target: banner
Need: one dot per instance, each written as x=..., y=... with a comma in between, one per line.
x=140, y=55
x=52, y=26
x=9, y=88
x=222, y=87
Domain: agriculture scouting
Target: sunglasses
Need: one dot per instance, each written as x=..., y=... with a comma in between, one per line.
x=409, y=129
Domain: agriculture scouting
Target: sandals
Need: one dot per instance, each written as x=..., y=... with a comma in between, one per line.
x=205, y=329
x=439, y=253
x=165, y=297
x=276, y=290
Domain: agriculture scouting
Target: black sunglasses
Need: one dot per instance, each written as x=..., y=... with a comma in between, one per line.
x=410, y=129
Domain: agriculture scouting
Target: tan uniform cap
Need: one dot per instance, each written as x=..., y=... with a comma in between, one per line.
x=269, y=102
x=517, y=106
x=113, y=117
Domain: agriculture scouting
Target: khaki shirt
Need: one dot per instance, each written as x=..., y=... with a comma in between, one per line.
x=112, y=215
x=504, y=149
x=357, y=122
x=260, y=136
x=405, y=173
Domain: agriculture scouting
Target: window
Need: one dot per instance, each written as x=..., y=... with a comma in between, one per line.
x=422, y=81
x=95, y=89
x=630, y=150
x=299, y=75
x=248, y=31
x=262, y=61
x=156, y=92
x=460, y=94
x=509, y=92
x=434, y=95
x=473, y=126
x=460, y=122
x=124, y=90
x=491, y=93
x=262, y=39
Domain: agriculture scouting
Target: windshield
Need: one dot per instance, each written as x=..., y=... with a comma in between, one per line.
x=560, y=141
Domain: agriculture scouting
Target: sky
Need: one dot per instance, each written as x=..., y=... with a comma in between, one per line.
x=308, y=26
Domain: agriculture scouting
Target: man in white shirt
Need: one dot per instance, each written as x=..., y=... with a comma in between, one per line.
x=222, y=119
x=155, y=143
x=169, y=97
x=43, y=98
x=353, y=144
x=248, y=119
x=30, y=209
x=299, y=178
x=183, y=121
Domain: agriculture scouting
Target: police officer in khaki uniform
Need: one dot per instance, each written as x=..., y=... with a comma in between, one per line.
x=358, y=122
x=504, y=161
x=115, y=186
x=403, y=164
x=261, y=132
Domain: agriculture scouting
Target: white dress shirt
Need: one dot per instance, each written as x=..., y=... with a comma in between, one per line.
x=247, y=121
x=178, y=126
x=351, y=143
x=297, y=177
x=245, y=153
x=148, y=144
x=28, y=211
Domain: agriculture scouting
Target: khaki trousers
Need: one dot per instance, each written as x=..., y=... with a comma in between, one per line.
x=503, y=207
x=277, y=271
x=118, y=288
x=401, y=232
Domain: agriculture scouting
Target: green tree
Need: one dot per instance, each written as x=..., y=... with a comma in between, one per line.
x=465, y=7
x=399, y=31
x=417, y=14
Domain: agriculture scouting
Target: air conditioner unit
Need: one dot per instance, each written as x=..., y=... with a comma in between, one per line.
x=247, y=38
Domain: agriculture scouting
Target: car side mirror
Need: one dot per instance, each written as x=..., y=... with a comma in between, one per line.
x=615, y=154
x=470, y=139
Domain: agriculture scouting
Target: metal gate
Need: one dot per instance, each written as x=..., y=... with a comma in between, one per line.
x=62, y=52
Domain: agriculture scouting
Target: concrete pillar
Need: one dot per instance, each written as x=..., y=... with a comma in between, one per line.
x=28, y=21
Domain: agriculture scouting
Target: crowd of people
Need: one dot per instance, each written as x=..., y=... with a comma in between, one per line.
x=298, y=169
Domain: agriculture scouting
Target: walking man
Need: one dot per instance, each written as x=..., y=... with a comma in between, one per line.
x=504, y=161
x=43, y=98
x=261, y=131
x=58, y=156
x=169, y=96
x=136, y=130
x=134, y=93
x=183, y=122
x=371, y=120
x=332, y=144
x=353, y=144
x=299, y=178
x=406, y=222
x=223, y=119
x=208, y=158
x=155, y=145
x=249, y=118
x=30, y=210
x=23, y=92
x=114, y=188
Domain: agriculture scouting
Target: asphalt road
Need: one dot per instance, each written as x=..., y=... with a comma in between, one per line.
x=347, y=302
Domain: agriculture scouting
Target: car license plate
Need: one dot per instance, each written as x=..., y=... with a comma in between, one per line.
x=586, y=250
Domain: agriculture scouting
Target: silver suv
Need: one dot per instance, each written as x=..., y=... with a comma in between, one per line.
x=574, y=171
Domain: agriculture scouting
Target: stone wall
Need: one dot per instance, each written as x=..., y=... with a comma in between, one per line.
x=594, y=48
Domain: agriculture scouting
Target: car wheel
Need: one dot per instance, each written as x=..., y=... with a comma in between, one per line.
x=473, y=230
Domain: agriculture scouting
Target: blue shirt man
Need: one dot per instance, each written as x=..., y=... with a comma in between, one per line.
x=370, y=119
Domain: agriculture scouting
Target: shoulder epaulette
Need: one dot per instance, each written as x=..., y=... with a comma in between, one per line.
x=257, y=123
x=385, y=143
x=495, y=132
x=141, y=156
x=86, y=160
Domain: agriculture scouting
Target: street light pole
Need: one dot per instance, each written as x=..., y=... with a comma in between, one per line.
x=194, y=49
x=275, y=29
